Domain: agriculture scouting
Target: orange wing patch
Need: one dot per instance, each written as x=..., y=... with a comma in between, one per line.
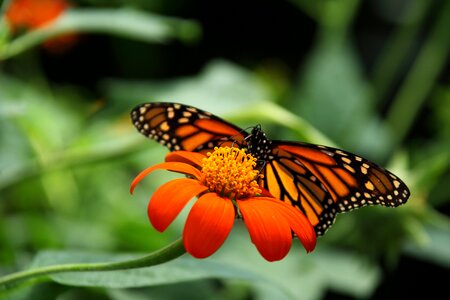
x=272, y=183
x=311, y=154
x=185, y=130
x=287, y=180
x=218, y=128
x=191, y=143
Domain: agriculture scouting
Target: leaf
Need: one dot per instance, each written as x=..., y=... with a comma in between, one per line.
x=347, y=273
x=436, y=249
x=220, y=88
x=44, y=291
x=192, y=290
x=333, y=95
x=302, y=276
x=180, y=270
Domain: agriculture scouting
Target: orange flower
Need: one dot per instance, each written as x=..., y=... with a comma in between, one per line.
x=226, y=183
x=32, y=14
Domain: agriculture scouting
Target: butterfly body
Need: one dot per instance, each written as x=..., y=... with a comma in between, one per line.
x=321, y=181
x=258, y=145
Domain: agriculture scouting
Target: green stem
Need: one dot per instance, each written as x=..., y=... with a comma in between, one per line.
x=163, y=255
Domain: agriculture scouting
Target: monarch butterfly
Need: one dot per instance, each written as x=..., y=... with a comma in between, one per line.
x=321, y=181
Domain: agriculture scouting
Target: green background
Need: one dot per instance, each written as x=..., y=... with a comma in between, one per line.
x=370, y=77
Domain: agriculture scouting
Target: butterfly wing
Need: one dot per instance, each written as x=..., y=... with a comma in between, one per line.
x=181, y=127
x=323, y=181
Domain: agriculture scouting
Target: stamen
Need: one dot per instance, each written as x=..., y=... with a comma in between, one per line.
x=230, y=172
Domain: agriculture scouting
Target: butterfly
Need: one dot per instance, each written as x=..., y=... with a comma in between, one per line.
x=321, y=181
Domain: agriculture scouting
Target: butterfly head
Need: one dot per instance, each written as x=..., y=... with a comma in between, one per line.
x=258, y=144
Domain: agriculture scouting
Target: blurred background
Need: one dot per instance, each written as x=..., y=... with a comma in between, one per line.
x=370, y=77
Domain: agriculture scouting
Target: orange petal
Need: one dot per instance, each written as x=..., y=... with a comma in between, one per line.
x=170, y=166
x=169, y=199
x=208, y=224
x=269, y=230
x=298, y=222
x=34, y=13
x=192, y=158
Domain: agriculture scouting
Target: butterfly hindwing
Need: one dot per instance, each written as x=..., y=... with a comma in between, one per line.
x=293, y=183
x=330, y=180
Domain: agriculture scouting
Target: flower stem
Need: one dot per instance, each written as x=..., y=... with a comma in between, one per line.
x=163, y=255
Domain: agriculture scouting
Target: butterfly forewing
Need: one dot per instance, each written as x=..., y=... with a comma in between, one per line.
x=181, y=127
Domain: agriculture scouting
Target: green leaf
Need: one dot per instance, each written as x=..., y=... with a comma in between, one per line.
x=298, y=275
x=335, y=98
x=220, y=88
x=192, y=290
x=180, y=270
x=44, y=291
x=436, y=248
x=347, y=273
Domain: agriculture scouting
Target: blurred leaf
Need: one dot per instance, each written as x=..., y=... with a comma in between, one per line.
x=432, y=168
x=333, y=95
x=347, y=273
x=191, y=290
x=334, y=16
x=391, y=59
x=428, y=65
x=440, y=105
x=123, y=22
x=436, y=249
x=44, y=291
x=180, y=270
x=302, y=276
x=220, y=88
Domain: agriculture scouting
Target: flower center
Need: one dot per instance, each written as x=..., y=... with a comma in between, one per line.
x=230, y=172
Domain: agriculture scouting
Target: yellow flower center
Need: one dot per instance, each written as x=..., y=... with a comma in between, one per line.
x=230, y=172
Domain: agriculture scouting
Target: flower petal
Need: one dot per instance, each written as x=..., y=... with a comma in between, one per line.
x=301, y=226
x=269, y=230
x=192, y=158
x=208, y=224
x=298, y=222
x=170, y=166
x=169, y=199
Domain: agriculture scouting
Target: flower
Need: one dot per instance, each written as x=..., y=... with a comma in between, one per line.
x=32, y=14
x=35, y=14
x=226, y=183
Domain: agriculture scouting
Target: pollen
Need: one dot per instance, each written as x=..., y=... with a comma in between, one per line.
x=231, y=173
